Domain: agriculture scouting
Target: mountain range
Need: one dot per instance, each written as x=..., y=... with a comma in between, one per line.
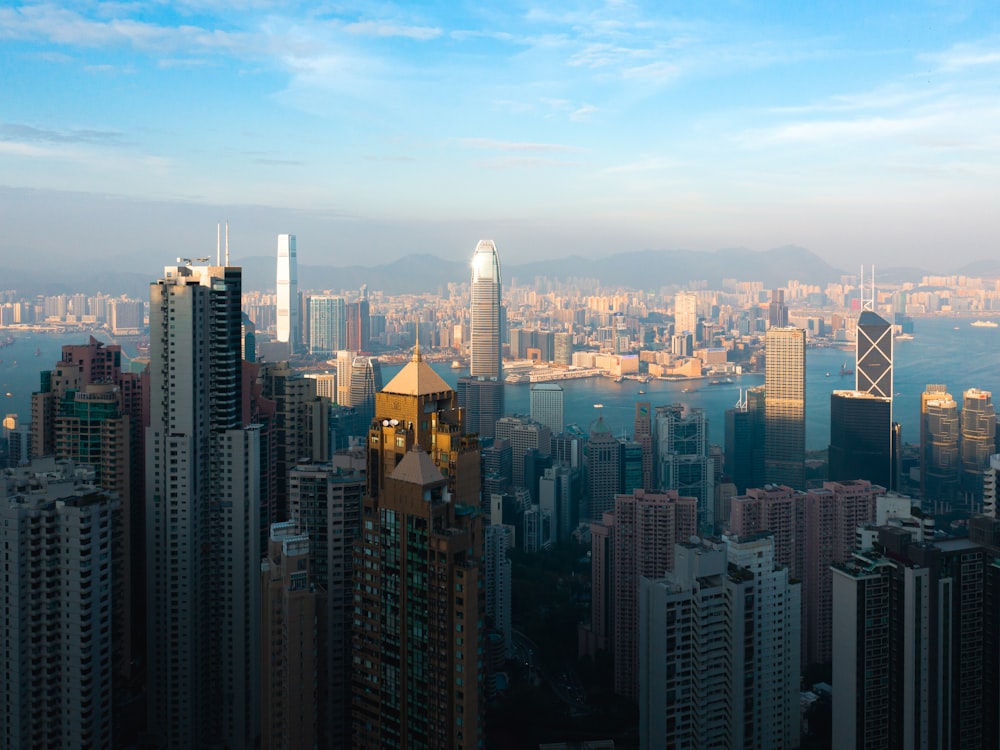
x=649, y=270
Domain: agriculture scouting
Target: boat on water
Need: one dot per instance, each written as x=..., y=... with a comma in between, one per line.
x=456, y=365
x=904, y=337
x=641, y=391
x=845, y=370
x=598, y=406
x=984, y=324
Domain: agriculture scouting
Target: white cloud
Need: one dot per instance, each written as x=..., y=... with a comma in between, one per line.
x=488, y=144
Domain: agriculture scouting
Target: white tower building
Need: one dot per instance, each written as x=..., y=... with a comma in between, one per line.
x=288, y=325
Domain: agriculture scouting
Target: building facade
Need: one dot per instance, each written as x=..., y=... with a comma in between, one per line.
x=287, y=326
x=784, y=406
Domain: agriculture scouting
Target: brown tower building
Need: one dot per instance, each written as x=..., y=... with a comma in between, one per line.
x=419, y=602
x=417, y=407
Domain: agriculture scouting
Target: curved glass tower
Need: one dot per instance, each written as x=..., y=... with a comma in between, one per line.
x=484, y=348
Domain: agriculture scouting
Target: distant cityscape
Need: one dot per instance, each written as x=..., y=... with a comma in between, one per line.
x=267, y=518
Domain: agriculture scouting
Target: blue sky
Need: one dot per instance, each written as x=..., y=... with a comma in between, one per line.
x=864, y=132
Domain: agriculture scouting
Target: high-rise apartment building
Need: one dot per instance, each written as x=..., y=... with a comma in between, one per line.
x=497, y=572
x=287, y=327
x=481, y=394
x=419, y=614
x=686, y=313
x=419, y=607
x=327, y=324
x=642, y=532
x=914, y=646
x=718, y=649
x=785, y=407
x=777, y=310
x=60, y=594
x=325, y=505
x=524, y=435
x=202, y=517
x=546, y=405
x=290, y=639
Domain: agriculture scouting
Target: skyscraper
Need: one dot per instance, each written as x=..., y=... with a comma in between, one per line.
x=547, y=405
x=874, y=355
x=485, y=356
x=202, y=517
x=288, y=329
x=684, y=463
x=718, y=649
x=939, y=432
x=686, y=313
x=327, y=324
x=59, y=593
x=366, y=381
x=862, y=441
x=785, y=407
x=914, y=657
x=978, y=427
x=481, y=394
x=291, y=640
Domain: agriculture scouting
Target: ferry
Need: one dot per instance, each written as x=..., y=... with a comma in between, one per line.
x=456, y=365
x=906, y=336
x=984, y=324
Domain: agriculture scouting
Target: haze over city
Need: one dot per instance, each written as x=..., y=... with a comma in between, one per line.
x=129, y=129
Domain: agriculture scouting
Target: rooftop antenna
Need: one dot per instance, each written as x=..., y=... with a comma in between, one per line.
x=227, y=243
x=218, y=242
x=416, y=349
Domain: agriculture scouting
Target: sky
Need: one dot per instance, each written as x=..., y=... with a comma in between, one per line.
x=864, y=132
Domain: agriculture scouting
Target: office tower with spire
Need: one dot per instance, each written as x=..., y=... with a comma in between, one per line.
x=202, y=517
x=481, y=394
x=419, y=597
x=863, y=437
x=288, y=329
x=785, y=407
x=743, y=459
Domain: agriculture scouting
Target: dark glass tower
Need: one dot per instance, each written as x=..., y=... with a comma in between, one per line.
x=861, y=438
x=874, y=369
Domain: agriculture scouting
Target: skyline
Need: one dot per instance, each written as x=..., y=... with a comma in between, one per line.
x=391, y=129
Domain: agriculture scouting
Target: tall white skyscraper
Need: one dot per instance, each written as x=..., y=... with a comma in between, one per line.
x=202, y=517
x=685, y=312
x=481, y=394
x=288, y=328
x=485, y=359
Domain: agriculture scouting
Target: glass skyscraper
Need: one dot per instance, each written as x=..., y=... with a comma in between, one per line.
x=785, y=407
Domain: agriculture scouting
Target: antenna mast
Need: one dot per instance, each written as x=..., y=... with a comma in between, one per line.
x=227, y=243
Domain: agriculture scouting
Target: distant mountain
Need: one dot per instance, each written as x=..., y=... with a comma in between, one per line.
x=645, y=269
x=413, y=274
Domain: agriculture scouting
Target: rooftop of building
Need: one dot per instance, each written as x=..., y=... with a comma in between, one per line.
x=417, y=467
x=417, y=378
